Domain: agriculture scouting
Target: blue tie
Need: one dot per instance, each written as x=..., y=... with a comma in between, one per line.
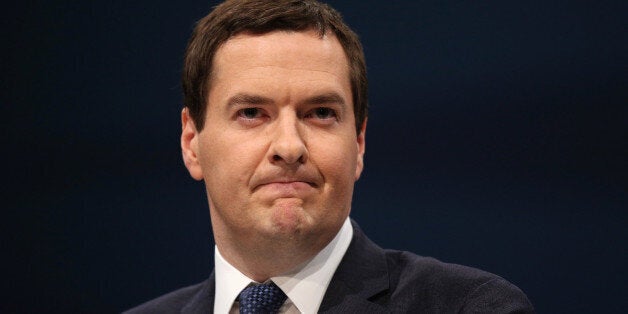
x=261, y=299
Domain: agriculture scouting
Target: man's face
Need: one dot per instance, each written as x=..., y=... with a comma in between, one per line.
x=279, y=152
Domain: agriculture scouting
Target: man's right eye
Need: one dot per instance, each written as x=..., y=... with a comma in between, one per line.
x=249, y=113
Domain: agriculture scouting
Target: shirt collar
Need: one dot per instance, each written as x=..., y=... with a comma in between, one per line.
x=305, y=286
x=229, y=283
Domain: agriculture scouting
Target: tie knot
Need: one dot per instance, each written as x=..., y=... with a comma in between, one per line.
x=261, y=299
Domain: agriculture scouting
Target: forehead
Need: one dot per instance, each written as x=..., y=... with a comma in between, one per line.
x=281, y=55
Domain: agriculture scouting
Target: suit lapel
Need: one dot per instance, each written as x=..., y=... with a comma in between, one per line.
x=361, y=277
x=203, y=301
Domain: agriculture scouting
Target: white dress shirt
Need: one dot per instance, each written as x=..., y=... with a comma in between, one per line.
x=305, y=286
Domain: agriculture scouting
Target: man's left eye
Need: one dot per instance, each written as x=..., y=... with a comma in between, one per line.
x=324, y=113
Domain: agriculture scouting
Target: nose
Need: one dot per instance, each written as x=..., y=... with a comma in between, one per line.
x=288, y=145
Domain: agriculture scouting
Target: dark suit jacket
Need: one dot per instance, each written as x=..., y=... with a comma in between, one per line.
x=372, y=280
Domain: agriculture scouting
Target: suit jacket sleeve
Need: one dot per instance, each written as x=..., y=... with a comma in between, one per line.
x=497, y=296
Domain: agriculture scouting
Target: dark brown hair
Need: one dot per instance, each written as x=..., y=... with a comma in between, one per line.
x=259, y=17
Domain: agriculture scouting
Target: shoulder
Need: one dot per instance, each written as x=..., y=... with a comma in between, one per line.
x=173, y=302
x=445, y=287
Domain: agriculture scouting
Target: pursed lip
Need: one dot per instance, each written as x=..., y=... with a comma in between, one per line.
x=286, y=183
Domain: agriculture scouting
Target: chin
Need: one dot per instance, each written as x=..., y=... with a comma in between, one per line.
x=288, y=217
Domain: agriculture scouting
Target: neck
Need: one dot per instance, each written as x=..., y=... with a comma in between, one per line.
x=269, y=257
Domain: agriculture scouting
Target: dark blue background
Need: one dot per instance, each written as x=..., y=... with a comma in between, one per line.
x=497, y=138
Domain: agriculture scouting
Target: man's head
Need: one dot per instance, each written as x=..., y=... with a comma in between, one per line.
x=279, y=151
x=233, y=17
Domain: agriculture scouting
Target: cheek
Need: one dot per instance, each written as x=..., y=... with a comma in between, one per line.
x=337, y=162
x=228, y=165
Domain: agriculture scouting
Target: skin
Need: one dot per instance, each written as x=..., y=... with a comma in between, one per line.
x=279, y=152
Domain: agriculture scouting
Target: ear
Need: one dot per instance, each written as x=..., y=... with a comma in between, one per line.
x=361, y=141
x=189, y=145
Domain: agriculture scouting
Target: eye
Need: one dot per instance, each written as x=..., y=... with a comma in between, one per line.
x=250, y=116
x=324, y=113
x=249, y=113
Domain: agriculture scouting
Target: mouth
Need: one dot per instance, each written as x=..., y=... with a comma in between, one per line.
x=287, y=183
x=286, y=187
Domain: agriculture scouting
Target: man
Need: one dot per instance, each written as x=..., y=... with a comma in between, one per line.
x=274, y=123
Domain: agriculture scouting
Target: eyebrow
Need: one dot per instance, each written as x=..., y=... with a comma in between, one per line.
x=250, y=99
x=325, y=98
